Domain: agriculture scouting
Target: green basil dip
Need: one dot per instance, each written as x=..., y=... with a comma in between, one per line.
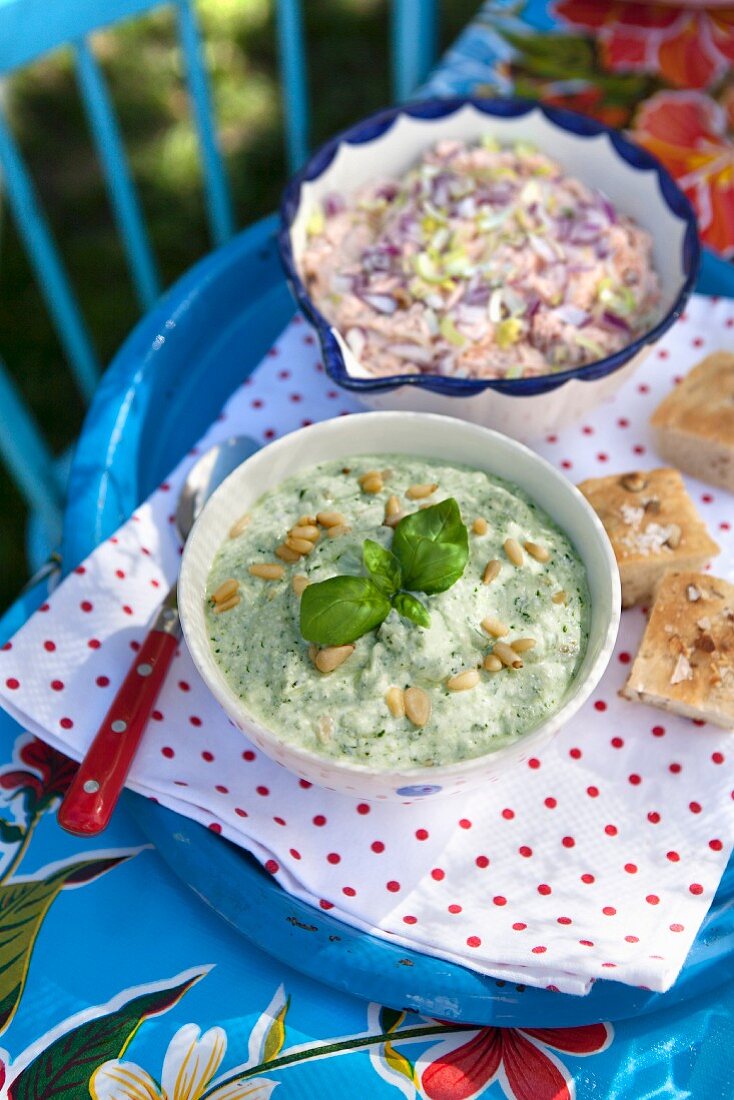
x=344, y=715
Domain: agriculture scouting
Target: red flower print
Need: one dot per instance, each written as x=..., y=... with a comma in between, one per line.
x=694, y=138
x=688, y=47
x=589, y=101
x=462, y=1067
x=51, y=774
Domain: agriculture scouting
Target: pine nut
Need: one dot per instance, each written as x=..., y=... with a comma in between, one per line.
x=395, y=702
x=540, y=553
x=338, y=531
x=305, y=531
x=330, y=519
x=492, y=663
x=480, y=526
x=634, y=483
x=392, y=508
x=463, y=681
x=238, y=527
x=507, y=655
x=299, y=584
x=495, y=627
x=226, y=589
x=227, y=605
x=417, y=706
x=286, y=554
x=301, y=546
x=420, y=492
x=522, y=645
x=560, y=596
x=513, y=549
x=371, y=482
x=306, y=521
x=267, y=571
x=330, y=658
x=492, y=571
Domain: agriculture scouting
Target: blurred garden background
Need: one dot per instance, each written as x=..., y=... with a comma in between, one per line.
x=349, y=77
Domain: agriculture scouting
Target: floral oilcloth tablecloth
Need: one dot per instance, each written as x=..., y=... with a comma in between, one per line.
x=117, y=982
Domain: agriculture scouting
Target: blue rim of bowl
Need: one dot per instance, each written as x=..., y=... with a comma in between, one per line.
x=374, y=126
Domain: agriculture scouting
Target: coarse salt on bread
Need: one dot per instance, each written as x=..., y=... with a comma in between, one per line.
x=653, y=526
x=685, y=663
x=693, y=426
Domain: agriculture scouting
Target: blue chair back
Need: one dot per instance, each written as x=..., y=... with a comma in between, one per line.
x=31, y=28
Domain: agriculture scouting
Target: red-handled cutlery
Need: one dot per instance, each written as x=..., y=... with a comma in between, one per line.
x=93, y=794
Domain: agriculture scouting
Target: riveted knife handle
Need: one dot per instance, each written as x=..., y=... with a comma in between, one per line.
x=95, y=790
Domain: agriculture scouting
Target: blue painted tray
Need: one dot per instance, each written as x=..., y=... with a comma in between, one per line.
x=163, y=389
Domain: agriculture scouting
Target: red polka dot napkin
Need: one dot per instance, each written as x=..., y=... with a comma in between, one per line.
x=597, y=860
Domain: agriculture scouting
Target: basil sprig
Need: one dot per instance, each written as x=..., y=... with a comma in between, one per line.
x=429, y=553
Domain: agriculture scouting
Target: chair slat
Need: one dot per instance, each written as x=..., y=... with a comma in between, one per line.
x=123, y=195
x=53, y=281
x=30, y=28
x=291, y=51
x=414, y=33
x=26, y=455
x=215, y=181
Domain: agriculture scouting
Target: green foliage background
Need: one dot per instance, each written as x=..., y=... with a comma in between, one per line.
x=349, y=77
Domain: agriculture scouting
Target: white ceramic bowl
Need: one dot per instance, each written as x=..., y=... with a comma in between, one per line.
x=431, y=437
x=388, y=143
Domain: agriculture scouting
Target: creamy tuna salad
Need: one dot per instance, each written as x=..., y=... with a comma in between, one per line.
x=483, y=261
x=450, y=613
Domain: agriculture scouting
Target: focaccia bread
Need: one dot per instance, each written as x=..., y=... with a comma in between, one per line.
x=685, y=663
x=653, y=526
x=694, y=425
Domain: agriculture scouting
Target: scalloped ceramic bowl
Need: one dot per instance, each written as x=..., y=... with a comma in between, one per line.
x=388, y=143
x=432, y=437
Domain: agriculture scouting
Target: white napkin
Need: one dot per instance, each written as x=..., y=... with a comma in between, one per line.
x=598, y=859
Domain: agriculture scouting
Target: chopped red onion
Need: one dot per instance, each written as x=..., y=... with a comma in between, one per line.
x=477, y=295
x=615, y=321
x=388, y=191
x=570, y=315
x=382, y=303
x=467, y=208
x=608, y=209
x=541, y=248
x=334, y=204
x=585, y=233
x=533, y=306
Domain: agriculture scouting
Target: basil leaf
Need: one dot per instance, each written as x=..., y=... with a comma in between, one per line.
x=411, y=608
x=432, y=547
x=382, y=566
x=342, y=609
